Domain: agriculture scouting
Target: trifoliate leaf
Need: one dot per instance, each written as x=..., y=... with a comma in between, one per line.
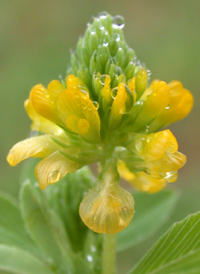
x=177, y=252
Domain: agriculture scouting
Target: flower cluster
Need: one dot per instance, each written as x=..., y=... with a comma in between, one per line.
x=106, y=112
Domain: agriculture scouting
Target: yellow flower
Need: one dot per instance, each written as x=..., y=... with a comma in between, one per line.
x=105, y=112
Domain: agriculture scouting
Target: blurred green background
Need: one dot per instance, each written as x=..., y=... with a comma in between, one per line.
x=35, y=41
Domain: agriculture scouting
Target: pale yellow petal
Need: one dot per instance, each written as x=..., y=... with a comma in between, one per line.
x=40, y=123
x=72, y=102
x=181, y=103
x=72, y=123
x=154, y=146
x=40, y=146
x=125, y=172
x=53, y=168
x=107, y=209
x=106, y=93
x=54, y=89
x=152, y=105
x=141, y=82
x=170, y=162
x=44, y=103
x=147, y=183
x=118, y=107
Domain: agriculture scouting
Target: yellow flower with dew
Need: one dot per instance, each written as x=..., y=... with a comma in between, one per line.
x=106, y=112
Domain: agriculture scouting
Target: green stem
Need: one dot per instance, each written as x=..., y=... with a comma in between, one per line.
x=109, y=254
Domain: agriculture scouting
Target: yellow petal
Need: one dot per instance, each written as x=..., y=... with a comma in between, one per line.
x=153, y=105
x=118, y=107
x=44, y=101
x=40, y=146
x=72, y=102
x=72, y=123
x=86, y=132
x=107, y=209
x=181, y=103
x=75, y=83
x=154, y=146
x=125, y=172
x=170, y=162
x=40, y=123
x=53, y=168
x=106, y=93
x=131, y=86
x=141, y=82
x=147, y=183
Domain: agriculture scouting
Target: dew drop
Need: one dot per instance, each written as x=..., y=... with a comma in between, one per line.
x=139, y=145
x=116, y=37
x=95, y=76
x=96, y=104
x=83, y=90
x=148, y=73
x=103, y=79
x=168, y=107
x=101, y=27
x=105, y=44
x=102, y=15
x=89, y=258
x=147, y=129
x=148, y=139
x=46, y=94
x=170, y=176
x=93, y=32
x=114, y=92
x=54, y=176
x=118, y=22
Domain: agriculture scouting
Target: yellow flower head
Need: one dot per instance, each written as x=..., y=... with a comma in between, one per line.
x=106, y=112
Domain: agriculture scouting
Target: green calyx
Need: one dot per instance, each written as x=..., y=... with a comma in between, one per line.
x=103, y=51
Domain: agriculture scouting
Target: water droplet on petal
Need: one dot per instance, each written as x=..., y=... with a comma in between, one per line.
x=147, y=129
x=171, y=176
x=103, y=79
x=101, y=27
x=118, y=22
x=96, y=104
x=83, y=90
x=168, y=107
x=105, y=44
x=54, y=176
x=116, y=37
x=46, y=94
x=114, y=92
x=93, y=32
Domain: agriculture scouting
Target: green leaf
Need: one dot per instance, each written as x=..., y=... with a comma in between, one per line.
x=44, y=226
x=15, y=260
x=151, y=211
x=48, y=231
x=12, y=231
x=65, y=197
x=177, y=252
